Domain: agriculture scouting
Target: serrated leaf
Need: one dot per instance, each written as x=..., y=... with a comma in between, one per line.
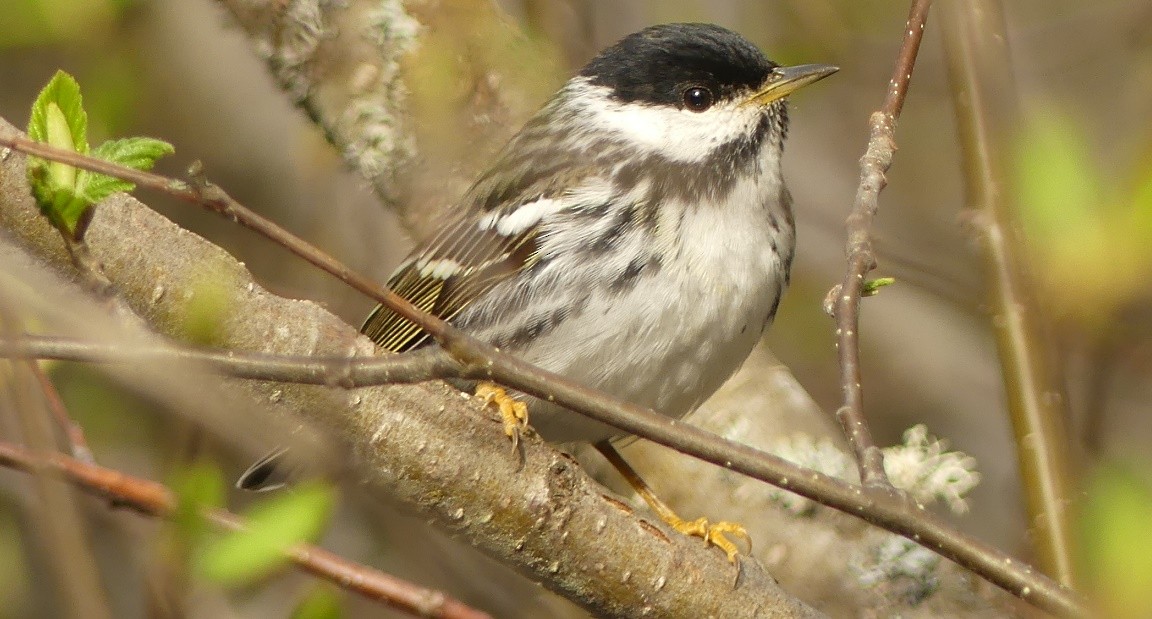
x=58, y=119
x=273, y=525
x=137, y=153
x=66, y=195
x=58, y=116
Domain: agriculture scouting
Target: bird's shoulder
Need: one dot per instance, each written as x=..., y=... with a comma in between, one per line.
x=492, y=235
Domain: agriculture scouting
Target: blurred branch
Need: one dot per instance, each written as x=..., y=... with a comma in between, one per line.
x=77, y=442
x=386, y=440
x=976, y=44
x=344, y=372
x=360, y=69
x=341, y=62
x=153, y=499
x=845, y=298
x=61, y=530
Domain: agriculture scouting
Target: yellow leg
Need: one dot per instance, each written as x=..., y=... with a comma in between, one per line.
x=713, y=533
x=512, y=411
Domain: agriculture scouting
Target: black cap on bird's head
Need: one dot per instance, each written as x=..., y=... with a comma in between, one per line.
x=693, y=66
x=687, y=108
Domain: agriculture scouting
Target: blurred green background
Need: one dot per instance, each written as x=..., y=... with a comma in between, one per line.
x=1082, y=167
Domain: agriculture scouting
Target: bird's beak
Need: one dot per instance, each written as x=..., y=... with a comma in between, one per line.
x=783, y=81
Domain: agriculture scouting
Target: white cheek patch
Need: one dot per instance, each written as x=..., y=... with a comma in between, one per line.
x=679, y=135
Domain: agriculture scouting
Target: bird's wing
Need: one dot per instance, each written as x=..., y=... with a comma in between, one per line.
x=471, y=255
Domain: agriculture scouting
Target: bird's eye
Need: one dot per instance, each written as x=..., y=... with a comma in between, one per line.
x=697, y=99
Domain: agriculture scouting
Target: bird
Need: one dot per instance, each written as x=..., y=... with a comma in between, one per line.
x=635, y=236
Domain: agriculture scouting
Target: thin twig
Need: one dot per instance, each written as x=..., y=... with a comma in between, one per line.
x=983, y=94
x=845, y=299
x=77, y=443
x=204, y=194
x=153, y=499
x=344, y=372
x=478, y=361
x=886, y=510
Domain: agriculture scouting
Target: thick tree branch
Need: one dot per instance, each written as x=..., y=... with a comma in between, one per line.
x=887, y=510
x=425, y=446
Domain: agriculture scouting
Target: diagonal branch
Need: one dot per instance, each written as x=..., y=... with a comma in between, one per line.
x=845, y=298
x=386, y=441
x=422, y=446
x=153, y=499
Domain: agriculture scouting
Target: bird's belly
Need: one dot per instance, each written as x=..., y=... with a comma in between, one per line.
x=667, y=344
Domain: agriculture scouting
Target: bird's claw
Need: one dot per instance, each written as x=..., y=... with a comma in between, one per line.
x=513, y=412
x=715, y=533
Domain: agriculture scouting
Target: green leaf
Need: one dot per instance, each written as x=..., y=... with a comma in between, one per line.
x=1059, y=185
x=322, y=603
x=205, y=315
x=872, y=287
x=1141, y=218
x=198, y=487
x=66, y=195
x=273, y=526
x=58, y=119
x=136, y=153
x=1116, y=542
x=58, y=116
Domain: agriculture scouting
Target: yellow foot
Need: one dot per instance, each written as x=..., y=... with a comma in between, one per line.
x=512, y=411
x=712, y=533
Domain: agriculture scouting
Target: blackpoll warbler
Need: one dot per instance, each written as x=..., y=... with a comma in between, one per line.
x=635, y=236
